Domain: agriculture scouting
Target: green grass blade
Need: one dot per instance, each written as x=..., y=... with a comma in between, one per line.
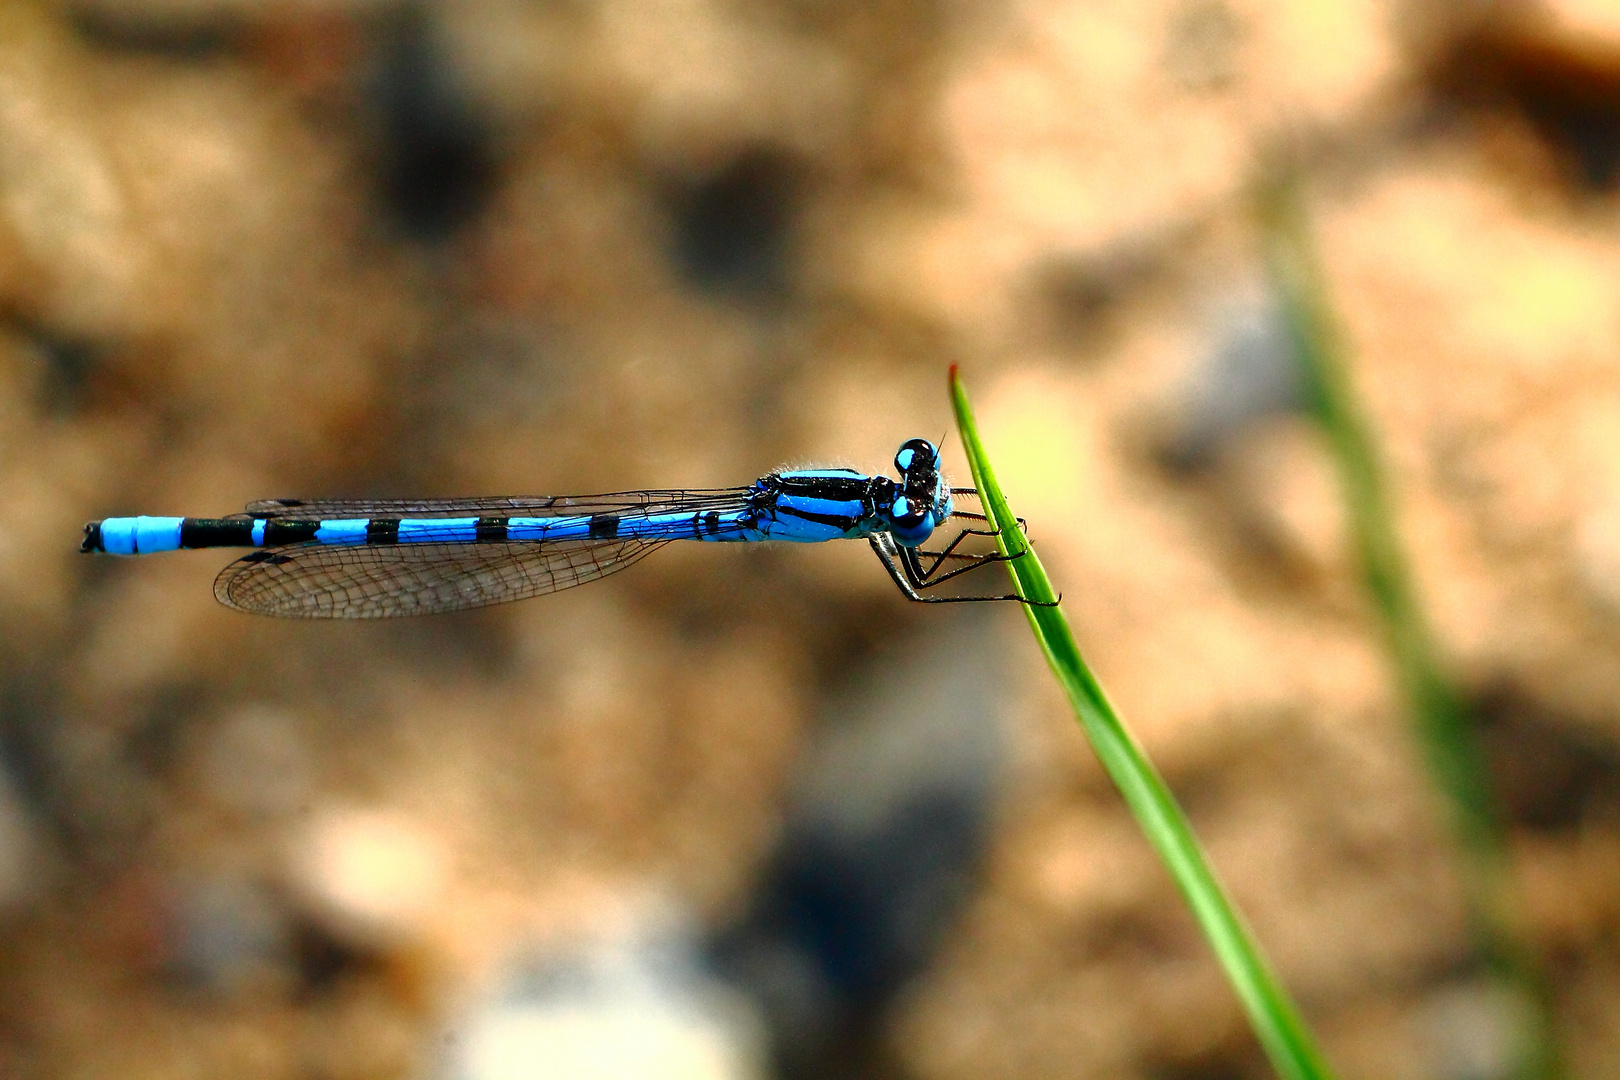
x=1444, y=725
x=1271, y=1012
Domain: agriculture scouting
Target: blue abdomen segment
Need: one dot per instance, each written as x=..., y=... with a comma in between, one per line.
x=463, y=530
x=137, y=535
x=147, y=535
x=715, y=525
x=341, y=531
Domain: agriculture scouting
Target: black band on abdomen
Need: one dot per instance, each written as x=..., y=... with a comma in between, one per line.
x=277, y=533
x=382, y=531
x=216, y=532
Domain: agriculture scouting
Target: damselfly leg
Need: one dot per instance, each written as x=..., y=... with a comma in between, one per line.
x=950, y=552
x=1023, y=525
x=905, y=568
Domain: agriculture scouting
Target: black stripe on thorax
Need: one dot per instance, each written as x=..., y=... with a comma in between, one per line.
x=216, y=532
x=853, y=488
x=842, y=521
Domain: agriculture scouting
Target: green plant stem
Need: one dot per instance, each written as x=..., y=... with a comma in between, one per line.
x=1272, y=1013
x=1444, y=726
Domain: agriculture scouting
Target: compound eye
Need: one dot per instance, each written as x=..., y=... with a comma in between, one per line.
x=915, y=452
x=912, y=527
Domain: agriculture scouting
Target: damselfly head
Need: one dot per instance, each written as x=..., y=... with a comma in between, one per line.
x=916, y=454
x=922, y=500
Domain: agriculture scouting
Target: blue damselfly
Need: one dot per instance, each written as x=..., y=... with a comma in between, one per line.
x=377, y=558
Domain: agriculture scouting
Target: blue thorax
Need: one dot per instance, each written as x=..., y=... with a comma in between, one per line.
x=815, y=505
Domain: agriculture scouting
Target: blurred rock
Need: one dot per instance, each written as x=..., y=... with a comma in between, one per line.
x=1474, y=1031
x=1284, y=489
x=1597, y=546
x=228, y=938
x=63, y=197
x=22, y=868
x=882, y=842
x=436, y=155
x=372, y=877
x=1595, y=23
x=1551, y=71
x=641, y=1007
x=1253, y=373
x=256, y=763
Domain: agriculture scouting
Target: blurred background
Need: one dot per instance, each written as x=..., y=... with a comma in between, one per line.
x=747, y=813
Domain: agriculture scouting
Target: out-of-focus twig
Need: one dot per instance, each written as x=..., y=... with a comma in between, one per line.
x=1446, y=729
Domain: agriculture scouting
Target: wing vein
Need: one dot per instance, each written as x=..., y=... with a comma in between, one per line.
x=323, y=581
x=654, y=501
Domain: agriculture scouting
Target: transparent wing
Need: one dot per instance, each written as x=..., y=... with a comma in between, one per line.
x=655, y=501
x=324, y=581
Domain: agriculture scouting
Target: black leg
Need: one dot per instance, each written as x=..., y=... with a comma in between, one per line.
x=892, y=564
x=979, y=517
x=905, y=576
x=927, y=579
x=941, y=556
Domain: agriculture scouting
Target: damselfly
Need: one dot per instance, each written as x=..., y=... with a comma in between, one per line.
x=358, y=559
